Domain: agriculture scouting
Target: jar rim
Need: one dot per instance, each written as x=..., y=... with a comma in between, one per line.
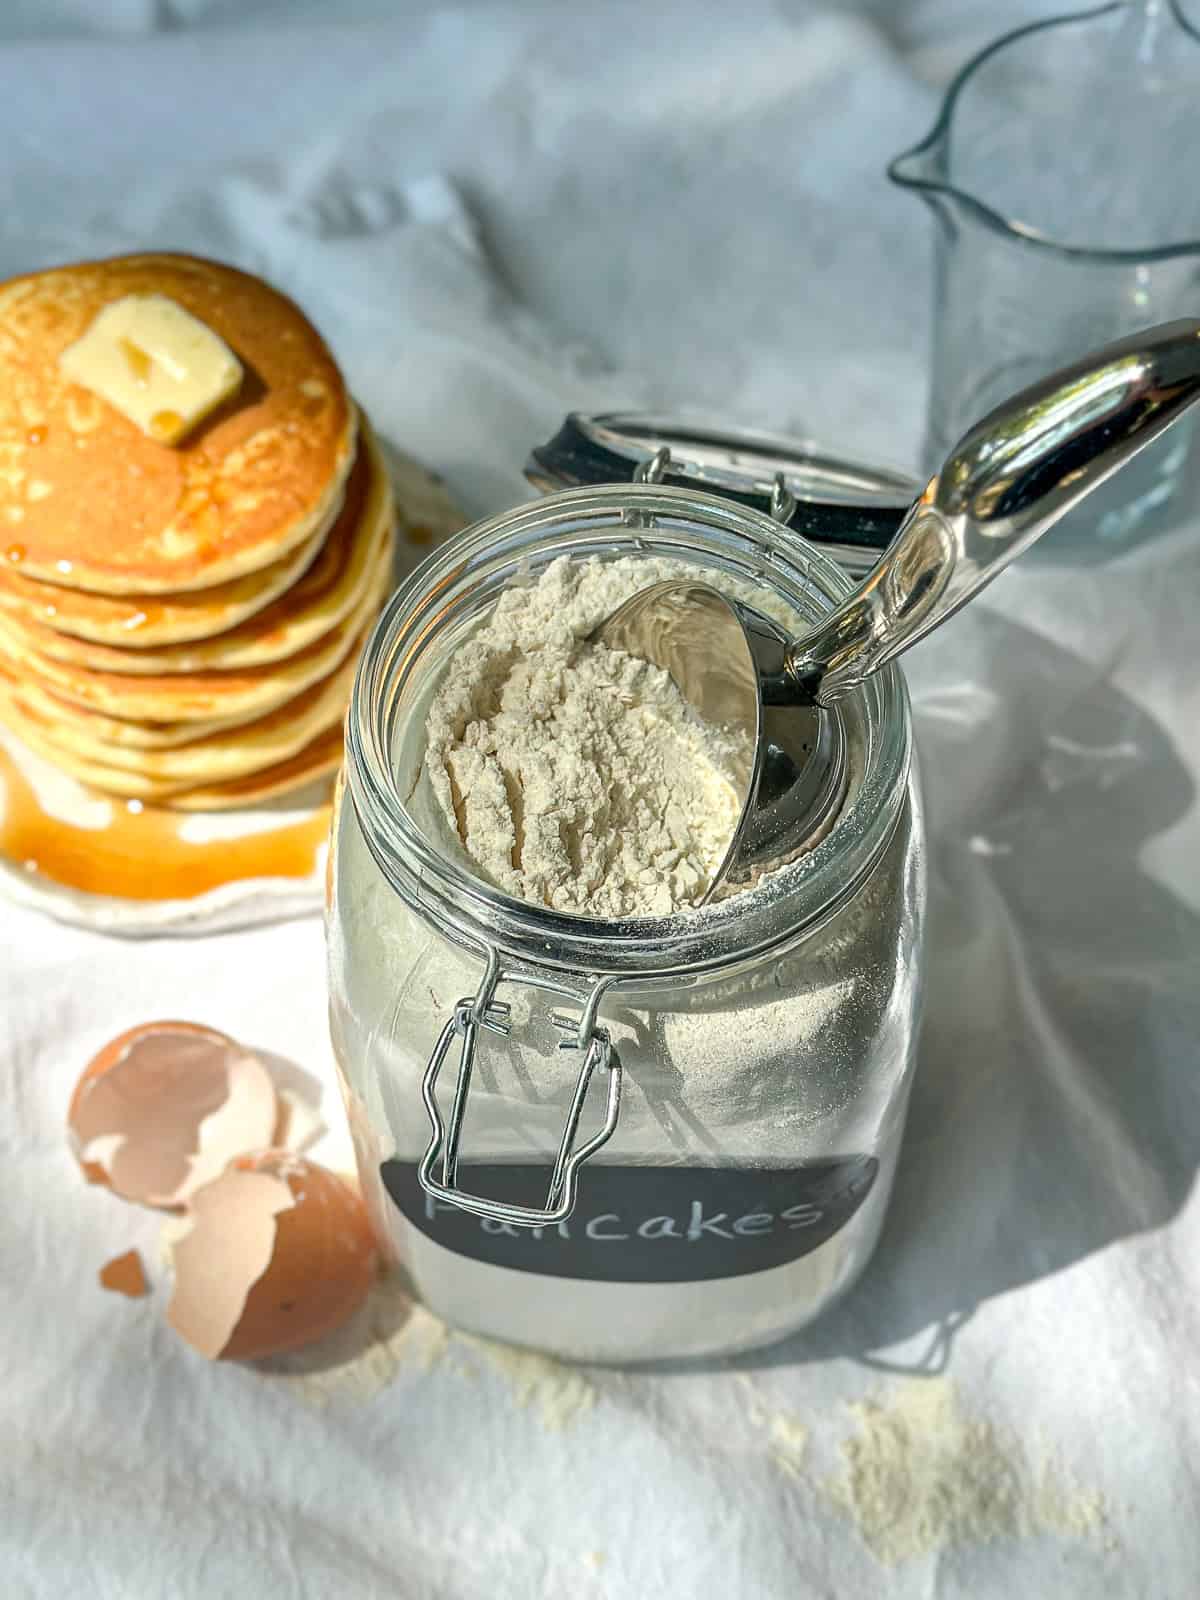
x=657, y=521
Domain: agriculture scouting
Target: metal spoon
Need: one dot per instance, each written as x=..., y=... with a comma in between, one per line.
x=1008, y=480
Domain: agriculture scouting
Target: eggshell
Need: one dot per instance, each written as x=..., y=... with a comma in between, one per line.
x=125, y=1275
x=279, y=1253
x=223, y=1252
x=164, y=1107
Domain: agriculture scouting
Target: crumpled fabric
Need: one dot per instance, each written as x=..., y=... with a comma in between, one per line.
x=497, y=212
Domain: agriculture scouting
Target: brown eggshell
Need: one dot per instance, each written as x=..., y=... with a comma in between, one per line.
x=223, y=1249
x=125, y=1275
x=165, y=1106
x=280, y=1252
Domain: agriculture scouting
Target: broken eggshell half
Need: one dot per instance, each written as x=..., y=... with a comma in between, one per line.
x=273, y=1254
x=164, y=1107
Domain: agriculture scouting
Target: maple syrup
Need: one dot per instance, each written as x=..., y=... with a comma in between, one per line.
x=142, y=854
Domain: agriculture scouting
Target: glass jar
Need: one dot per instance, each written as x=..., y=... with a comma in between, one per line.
x=739, y=1073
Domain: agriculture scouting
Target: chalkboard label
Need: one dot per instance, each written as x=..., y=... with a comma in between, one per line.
x=646, y=1224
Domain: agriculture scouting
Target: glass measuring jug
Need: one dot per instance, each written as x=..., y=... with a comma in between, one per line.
x=1060, y=226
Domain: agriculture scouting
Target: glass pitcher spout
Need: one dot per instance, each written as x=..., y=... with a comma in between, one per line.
x=1059, y=171
x=1027, y=129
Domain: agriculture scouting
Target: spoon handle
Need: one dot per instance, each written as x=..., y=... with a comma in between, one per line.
x=1006, y=481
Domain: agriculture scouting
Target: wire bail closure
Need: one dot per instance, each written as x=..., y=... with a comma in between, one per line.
x=782, y=507
x=438, y=1171
x=649, y=471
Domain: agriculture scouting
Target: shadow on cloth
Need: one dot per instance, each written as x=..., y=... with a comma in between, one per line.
x=1056, y=1096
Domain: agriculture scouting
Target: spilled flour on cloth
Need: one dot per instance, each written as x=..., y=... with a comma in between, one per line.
x=576, y=776
x=789, y=1440
x=787, y=1435
x=394, y=1333
x=557, y=1395
x=922, y=1476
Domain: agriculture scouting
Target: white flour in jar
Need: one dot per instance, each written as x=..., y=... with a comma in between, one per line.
x=575, y=776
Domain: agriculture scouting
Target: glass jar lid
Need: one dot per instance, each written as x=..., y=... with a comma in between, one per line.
x=851, y=510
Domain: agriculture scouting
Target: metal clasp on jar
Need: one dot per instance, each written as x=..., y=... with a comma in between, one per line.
x=438, y=1171
x=652, y=470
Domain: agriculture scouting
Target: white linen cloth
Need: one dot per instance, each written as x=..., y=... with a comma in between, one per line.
x=497, y=212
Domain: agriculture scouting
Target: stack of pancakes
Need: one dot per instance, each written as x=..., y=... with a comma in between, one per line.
x=180, y=624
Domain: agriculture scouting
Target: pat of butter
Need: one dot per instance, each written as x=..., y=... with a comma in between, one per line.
x=157, y=364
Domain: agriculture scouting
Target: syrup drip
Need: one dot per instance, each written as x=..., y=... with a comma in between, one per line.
x=140, y=855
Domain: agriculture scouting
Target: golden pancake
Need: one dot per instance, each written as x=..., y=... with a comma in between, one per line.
x=217, y=758
x=150, y=620
x=84, y=725
x=87, y=500
x=327, y=592
x=39, y=736
x=79, y=724
x=63, y=623
x=320, y=759
x=198, y=697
